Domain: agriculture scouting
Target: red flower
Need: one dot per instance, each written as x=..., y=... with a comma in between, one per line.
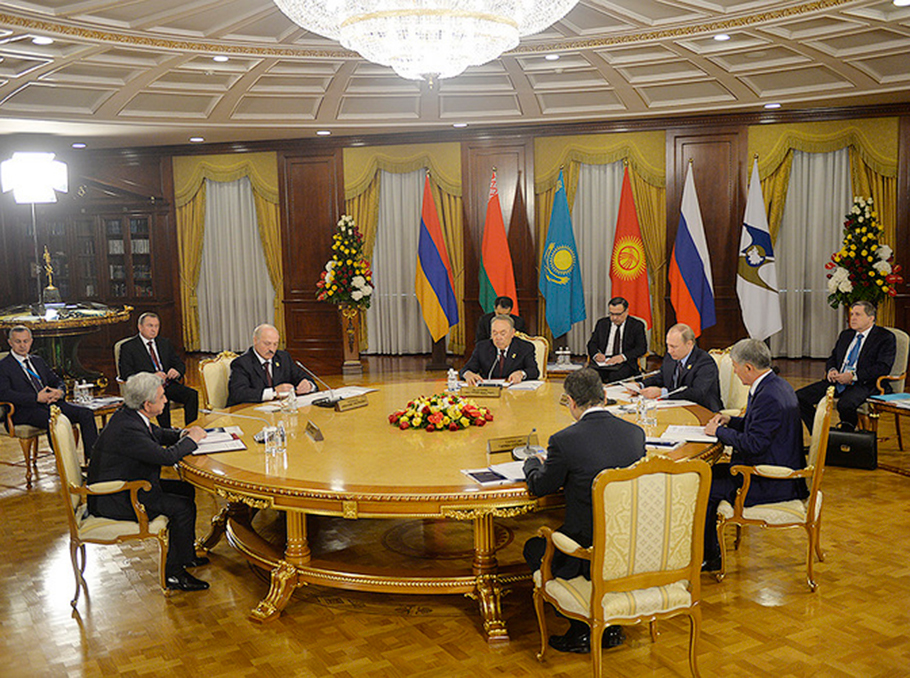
x=403, y=425
x=488, y=416
x=479, y=421
x=431, y=428
x=453, y=426
x=830, y=265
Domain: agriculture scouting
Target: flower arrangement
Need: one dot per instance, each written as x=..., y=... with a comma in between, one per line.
x=347, y=278
x=863, y=269
x=439, y=412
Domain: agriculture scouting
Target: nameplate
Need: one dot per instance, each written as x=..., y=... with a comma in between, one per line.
x=314, y=431
x=480, y=391
x=509, y=443
x=564, y=399
x=351, y=403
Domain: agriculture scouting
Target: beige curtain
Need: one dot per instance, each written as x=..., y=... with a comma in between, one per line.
x=645, y=154
x=190, y=173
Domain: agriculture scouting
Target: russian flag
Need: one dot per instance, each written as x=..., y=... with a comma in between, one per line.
x=691, y=284
x=434, y=284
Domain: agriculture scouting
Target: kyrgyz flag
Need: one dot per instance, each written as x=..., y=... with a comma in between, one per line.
x=628, y=269
x=496, y=276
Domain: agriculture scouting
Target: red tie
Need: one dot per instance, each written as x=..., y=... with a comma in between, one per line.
x=502, y=364
x=268, y=372
x=155, y=356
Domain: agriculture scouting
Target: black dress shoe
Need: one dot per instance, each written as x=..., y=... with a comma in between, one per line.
x=198, y=561
x=184, y=581
x=613, y=636
x=711, y=564
x=572, y=641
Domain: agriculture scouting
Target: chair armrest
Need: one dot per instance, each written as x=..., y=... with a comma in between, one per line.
x=732, y=412
x=570, y=547
x=763, y=471
x=8, y=409
x=879, y=383
x=112, y=487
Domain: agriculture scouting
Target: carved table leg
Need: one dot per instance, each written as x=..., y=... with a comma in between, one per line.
x=234, y=510
x=488, y=592
x=285, y=577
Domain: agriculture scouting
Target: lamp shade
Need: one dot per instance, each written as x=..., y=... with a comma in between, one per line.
x=33, y=177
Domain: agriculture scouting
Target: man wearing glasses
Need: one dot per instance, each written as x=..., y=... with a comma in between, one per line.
x=617, y=343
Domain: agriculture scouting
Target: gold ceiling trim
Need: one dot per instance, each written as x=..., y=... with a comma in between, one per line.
x=127, y=39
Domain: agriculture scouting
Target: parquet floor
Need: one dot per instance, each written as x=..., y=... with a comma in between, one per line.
x=761, y=621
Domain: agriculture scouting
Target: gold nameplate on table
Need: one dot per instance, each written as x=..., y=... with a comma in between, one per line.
x=351, y=403
x=314, y=431
x=509, y=443
x=480, y=391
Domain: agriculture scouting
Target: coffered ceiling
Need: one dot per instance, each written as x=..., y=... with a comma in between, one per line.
x=141, y=72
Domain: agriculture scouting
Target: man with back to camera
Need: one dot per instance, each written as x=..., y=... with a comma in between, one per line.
x=502, y=306
x=32, y=387
x=575, y=455
x=503, y=356
x=265, y=372
x=685, y=365
x=617, y=343
x=770, y=432
x=861, y=355
x=131, y=447
x=147, y=352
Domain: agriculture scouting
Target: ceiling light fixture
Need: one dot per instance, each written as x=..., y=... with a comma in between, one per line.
x=552, y=57
x=78, y=145
x=323, y=132
x=901, y=3
x=42, y=40
x=459, y=125
x=220, y=58
x=770, y=106
x=429, y=40
x=197, y=140
x=721, y=37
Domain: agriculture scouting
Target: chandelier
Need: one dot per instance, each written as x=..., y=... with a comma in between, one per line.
x=426, y=39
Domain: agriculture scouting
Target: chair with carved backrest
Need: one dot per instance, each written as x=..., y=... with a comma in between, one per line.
x=733, y=393
x=897, y=376
x=87, y=529
x=805, y=513
x=643, y=360
x=541, y=351
x=214, y=374
x=645, y=564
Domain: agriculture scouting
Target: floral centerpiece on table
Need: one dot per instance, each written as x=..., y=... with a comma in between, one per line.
x=863, y=269
x=347, y=278
x=439, y=412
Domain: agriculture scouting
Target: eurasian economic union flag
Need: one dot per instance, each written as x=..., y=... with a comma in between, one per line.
x=756, y=273
x=560, y=276
x=434, y=284
x=691, y=285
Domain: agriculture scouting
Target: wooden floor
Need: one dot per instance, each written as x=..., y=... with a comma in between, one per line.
x=761, y=621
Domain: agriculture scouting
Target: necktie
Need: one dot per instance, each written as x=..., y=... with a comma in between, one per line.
x=677, y=374
x=268, y=372
x=154, y=355
x=850, y=363
x=33, y=375
x=502, y=364
x=617, y=341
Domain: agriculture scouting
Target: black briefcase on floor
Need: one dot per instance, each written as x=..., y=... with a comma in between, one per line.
x=853, y=449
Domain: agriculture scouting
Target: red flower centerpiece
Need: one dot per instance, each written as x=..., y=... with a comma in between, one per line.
x=440, y=412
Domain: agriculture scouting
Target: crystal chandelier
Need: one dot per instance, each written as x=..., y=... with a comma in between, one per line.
x=426, y=39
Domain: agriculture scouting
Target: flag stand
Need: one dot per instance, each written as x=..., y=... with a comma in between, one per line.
x=438, y=357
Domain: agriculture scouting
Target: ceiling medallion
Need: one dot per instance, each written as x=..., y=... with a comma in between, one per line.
x=426, y=39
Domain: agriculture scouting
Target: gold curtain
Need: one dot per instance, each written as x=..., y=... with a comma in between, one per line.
x=645, y=154
x=190, y=173
x=774, y=193
x=190, y=232
x=364, y=207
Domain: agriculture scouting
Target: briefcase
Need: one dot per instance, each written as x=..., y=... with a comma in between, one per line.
x=852, y=449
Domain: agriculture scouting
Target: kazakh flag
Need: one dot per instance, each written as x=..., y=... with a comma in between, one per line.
x=560, y=275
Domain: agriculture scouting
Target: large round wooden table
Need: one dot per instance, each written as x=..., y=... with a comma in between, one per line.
x=366, y=468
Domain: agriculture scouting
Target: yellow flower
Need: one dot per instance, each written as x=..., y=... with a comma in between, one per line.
x=464, y=421
x=879, y=282
x=348, y=262
x=864, y=253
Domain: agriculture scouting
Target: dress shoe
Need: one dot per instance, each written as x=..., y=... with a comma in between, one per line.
x=197, y=561
x=711, y=564
x=184, y=581
x=572, y=641
x=613, y=636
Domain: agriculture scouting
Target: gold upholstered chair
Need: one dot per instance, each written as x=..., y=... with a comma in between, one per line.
x=28, y=437
x=805, y=513
x=649, y=525
x=214, y=374
x=733, y=393
x=87, y=529
x=541, y=351
x=897, y=376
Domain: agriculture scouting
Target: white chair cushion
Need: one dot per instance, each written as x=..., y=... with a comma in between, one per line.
x=574, y=595
x=107, y=529
x=779, y=513
x=25, y=431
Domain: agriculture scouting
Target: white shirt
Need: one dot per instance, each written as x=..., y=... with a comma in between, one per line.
x=268, y=393
x=608, y=349
x=757, y=382
x=864, y=334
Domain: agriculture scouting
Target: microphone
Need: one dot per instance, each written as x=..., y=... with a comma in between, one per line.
x=242, y=416
x=634, y=377
x=527, y=450
x=330, y=398
x=673, y=392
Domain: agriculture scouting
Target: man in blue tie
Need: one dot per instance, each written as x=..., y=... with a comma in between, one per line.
x=32, y=387
x=861, y=355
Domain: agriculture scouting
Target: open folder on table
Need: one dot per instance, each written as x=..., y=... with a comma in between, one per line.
x=497, y=474
x=221, y=439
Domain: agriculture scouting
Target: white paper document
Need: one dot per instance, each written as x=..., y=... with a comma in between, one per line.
x=663, y=444
x=98, y=403
x=529, y=385
x=692, y=434
x=304, y=400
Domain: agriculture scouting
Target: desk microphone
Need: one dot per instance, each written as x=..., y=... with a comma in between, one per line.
x=673, y=392
x=330, y=398
x=634, y=377
x=527, y=450
x=242, y=416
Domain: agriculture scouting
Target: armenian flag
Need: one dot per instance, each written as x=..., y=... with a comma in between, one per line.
x=434, y=285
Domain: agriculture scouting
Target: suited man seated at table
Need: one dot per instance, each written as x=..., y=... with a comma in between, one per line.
x=597, y=440
x=502, y=306
x=617, y=343
x=265, y=372
x=32, y=387
x=147, y=352
x=131, y=447
x=502, y=356
x=770, y=432
x=685, y=367
x=862, y=354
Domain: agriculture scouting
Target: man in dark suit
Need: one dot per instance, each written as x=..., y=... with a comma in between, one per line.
x=596, y=441
x=147, y=352
x=503, y=356
x=131, y=447
x=264, y=372
x=685, y=365
x=769, y=433
x=32, y=387
x=861, y=355
x=502, y=306
x=617, y=343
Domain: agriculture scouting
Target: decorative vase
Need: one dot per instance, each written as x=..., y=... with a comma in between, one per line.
x=350, y=331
